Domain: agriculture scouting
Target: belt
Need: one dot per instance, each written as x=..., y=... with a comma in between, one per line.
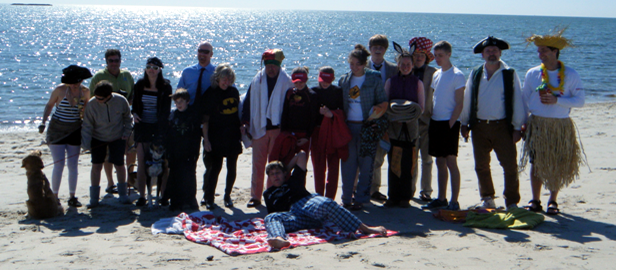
x=488, y=122
x=354, y=122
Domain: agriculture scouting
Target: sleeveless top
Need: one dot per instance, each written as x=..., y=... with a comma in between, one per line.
x=149, y=111
x=67, y=113
x=404, y=87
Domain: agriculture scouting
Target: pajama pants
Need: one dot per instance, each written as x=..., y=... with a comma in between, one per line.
x=310, y=213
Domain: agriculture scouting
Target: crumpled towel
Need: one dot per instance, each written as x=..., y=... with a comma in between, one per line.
x=515, y=218
x=403, y=111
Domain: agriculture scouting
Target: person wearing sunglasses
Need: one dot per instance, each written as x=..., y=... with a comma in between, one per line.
x=197, y=77
x=151, y=107
x=122, y=83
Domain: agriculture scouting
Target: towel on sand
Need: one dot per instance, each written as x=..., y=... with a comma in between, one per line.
x=516, y=218
x=243, y=236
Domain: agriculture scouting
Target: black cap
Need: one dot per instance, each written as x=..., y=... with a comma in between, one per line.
x=490, y=41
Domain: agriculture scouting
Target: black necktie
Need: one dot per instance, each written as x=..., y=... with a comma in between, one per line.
x=377, y=67
x=198, y=91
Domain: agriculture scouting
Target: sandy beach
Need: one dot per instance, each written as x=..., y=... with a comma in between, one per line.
x=116, y=236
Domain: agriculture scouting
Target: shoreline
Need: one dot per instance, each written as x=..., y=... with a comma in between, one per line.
x=119, y=236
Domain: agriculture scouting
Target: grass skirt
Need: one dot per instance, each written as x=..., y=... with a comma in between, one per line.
x=552, y=147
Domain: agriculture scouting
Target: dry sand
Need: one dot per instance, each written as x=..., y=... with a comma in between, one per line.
x=117, y=236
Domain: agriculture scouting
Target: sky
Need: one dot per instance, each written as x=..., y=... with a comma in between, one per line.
x=569, y=8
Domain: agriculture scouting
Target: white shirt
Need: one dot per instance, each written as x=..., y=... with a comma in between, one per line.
x=573, y=94
x=355, y=107
x=445, y=84
x=491, y=98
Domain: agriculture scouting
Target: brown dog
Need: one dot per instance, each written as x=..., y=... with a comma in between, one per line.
x=42, y=202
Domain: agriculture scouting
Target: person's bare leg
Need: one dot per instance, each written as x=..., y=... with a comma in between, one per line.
x=536, y=185
x=455, y=177
x=95, y=174
x=141, y=169
x=108, y=167
x=442, y=178
x=278, y=242
x=373, y=230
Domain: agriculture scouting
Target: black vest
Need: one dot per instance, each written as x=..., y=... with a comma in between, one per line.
x=508, y=92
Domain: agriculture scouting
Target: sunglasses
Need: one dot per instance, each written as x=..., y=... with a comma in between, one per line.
x=100, y=98
x=114, y=60
x=152, y=67
x=203, y=51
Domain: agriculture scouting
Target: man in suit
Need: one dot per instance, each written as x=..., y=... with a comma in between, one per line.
x=378, y=45
x=421, y=58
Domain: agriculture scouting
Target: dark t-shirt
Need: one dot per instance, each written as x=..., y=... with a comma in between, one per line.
x=280, y=199
x=224, y=123
x=331, y=97
x=183, y=135
x=300, y=111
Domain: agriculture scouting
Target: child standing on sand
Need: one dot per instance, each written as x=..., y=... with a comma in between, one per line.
x=182, y=144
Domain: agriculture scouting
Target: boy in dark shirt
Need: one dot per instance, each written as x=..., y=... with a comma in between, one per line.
x=293, y=208
x=182, y=143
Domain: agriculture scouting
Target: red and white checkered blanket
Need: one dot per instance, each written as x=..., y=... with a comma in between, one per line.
x=244, y=236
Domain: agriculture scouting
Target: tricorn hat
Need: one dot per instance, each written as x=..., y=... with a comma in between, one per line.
x=490, y=41
x=74, y=74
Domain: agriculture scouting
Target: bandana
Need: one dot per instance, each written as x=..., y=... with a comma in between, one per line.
x=423, y=45
x=299, y=77
x=326, y=77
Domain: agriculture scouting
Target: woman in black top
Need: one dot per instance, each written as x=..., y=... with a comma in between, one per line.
x=151, y=107
x=221, y=130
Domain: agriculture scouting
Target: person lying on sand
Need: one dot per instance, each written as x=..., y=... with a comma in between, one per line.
x=291, y=207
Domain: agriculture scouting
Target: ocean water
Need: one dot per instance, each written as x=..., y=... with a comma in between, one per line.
x=37, y=42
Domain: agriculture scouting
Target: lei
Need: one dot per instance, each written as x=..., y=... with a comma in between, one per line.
x=546, y=85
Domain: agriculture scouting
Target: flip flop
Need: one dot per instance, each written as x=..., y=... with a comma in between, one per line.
x=534, y=206
x=552, y=208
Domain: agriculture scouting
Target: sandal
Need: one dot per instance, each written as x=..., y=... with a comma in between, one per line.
x=425, y=198
x=352, y=206
x=552, y=208
x=534, y=206
x=112, y=189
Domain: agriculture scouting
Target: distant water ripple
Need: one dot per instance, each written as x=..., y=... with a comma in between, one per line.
x=37, y=42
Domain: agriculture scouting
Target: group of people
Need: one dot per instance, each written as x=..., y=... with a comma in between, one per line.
x=378, y=109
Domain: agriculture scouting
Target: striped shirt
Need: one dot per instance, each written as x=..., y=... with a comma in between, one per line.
x=149, y=112
x=67, y=113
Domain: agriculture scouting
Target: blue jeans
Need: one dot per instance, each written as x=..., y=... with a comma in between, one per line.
x=351, y=166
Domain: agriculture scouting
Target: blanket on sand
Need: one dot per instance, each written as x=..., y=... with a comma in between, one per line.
x=244, y=236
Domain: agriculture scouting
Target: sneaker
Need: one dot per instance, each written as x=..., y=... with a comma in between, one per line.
x=436, y=203
x=74, y=202
x=487, y=202
x=453, y=206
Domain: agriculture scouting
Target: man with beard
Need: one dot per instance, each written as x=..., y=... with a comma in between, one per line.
x=493, y=109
